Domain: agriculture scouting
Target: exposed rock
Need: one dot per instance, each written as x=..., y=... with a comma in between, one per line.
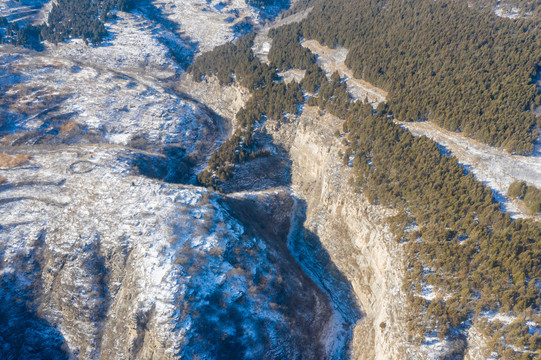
x=352, y=231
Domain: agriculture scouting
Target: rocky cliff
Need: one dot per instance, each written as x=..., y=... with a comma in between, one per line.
x=352, y=231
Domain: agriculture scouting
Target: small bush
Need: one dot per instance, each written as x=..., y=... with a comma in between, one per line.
x=9, y=161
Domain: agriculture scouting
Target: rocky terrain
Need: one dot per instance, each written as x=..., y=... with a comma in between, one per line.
x=104, y=252
x=92, y=250
x=109, y=249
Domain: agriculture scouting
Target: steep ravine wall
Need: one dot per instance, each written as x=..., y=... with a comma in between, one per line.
x=352, y=231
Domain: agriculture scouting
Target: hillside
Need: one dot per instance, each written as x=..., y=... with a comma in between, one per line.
x=238, y=179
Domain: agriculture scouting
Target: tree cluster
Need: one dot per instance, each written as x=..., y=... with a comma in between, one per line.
x=81, y=19
x=234, y=62
x=529, y=194
x=67, y=19
x=332, y=95
x=28, y=36
x=240, y=147
x=286, y=51
x=462, y=244
x=265, y=3
x=477, y=256
x=314, y=77
x=465, y=69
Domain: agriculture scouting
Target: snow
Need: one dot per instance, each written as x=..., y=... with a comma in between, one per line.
x=510, y=12
x=206, y=24
x=115, y=253
x=133, y=43
x=116, y=105
x=428, y=293
x=109, y=209
x=24, y=12
x=434, y=348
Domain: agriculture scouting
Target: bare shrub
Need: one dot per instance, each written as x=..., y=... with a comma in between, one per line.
x=9, y=161
x=68, y=127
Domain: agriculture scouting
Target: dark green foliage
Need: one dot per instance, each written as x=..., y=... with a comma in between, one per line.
x=332, y=96
x=527, y=193
x=78, y=18
x=264, y=3
x=286, y=51
x=81, y=19
x=234, y=61
x=273, y=101
x=68, y=19
x=477, y=256
x=28, y=36
x=123, y=5
x=240, y=147
x=466, y=70
x=313, y=79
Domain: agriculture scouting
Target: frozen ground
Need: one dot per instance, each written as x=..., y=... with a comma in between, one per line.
x=510, y=12
x=44, y=93
x=24, y=11
x=134, y=43
x=99, y=258
x=495, y=167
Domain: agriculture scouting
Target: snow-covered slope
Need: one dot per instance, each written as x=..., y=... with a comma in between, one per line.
x=24, y=11
x=122, y=266
x=50, y=100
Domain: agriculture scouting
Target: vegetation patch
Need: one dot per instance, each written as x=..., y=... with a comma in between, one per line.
x=270, y=98
x=67, y=19
x=465, y=258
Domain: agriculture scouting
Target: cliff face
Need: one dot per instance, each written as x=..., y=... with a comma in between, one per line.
x=350, y=229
